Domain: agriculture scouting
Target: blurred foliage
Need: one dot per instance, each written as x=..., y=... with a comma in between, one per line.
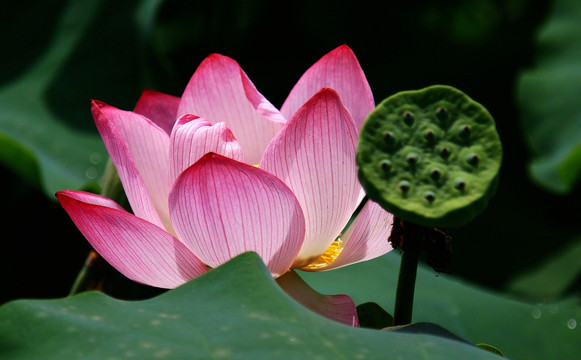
x=48, y=153
x=58, y=54
x=549, y=95
x=553, y=277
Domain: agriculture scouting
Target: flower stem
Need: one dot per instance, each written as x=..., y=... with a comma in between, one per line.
x=406, y=282
x=92, y=275
x=87, y=278
x=412, y=239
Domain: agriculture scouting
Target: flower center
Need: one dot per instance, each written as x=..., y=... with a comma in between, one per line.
x=328, y=256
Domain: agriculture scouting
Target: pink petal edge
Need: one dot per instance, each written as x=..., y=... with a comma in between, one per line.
x=140, y=250
x=340, y=308
x=340, y=71
x=193, y=137
x=158, y=107
x=220, y=91
x=140, y=151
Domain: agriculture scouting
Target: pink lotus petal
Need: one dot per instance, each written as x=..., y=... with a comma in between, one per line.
x=140, y=151
x=158, y=107
x=193, y=137
x=366, y=238
x=221, y=208
x=338, y=70
x=259, y=102
x=219, y=91
x=140, y=250
x=335, y=307
x=89, y=198
x=314, y=154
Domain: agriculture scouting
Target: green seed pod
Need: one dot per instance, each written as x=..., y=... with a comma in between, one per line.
x=429, y=135
x=472, y=159
x=385, y=164
x=444, y=152
x=460, y=183
x=408, y=118
x=412, y=158
x=442, y=113
x=464, y=131
x=435, y=173
x=404, y=187
x=430, y=196
x=444, y=156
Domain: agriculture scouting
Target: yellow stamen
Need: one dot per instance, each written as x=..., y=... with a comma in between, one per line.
x=328, y=257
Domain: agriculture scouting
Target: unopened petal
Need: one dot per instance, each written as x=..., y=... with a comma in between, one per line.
x=340, y=308
x=221, y=208
x=158, y=107
x=338, y=70
x=193, y=137
x=220, y=91
x=138, y=249
x=314, y=154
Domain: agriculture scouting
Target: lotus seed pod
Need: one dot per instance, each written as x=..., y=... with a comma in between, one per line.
x=472, y=159
x=411, y=158
x=460, y=183
x=430, y=196
x=444, y=152
x=435, y=173
x=438, y=154
x=442, y=113
x=408, y=118
x=429, y=135
x=385, y=165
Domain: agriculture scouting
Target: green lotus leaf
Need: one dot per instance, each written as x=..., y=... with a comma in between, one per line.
x=236, y=311
x=522, y=330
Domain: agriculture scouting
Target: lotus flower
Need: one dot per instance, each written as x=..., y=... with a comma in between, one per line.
x=221, y=171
